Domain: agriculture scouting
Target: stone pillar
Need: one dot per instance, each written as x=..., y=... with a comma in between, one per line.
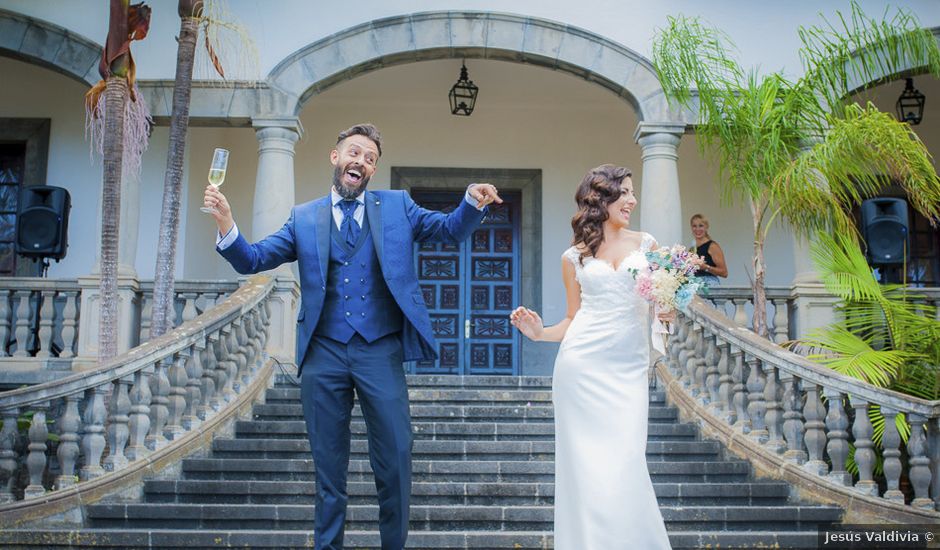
x=128, y=296
x=273, y=200
x=274, y=184
x=660, y=202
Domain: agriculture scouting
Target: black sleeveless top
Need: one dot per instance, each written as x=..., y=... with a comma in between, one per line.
x=702, y=250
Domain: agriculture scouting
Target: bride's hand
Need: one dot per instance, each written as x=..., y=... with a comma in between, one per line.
x=528, y=322
x=667, y=317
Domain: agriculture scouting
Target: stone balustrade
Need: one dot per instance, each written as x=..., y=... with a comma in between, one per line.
x=804, y=418
x=79, y=427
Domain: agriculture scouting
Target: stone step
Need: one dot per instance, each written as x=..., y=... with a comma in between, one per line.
x=441, y=381
x=496, y=431
x=450, y=470
x=455, y=450
x=168, y=539
x=447, y=493
x=454, y=396
x=434, y=517
x=456, y=413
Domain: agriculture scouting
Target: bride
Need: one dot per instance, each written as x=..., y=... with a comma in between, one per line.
x=604, y=497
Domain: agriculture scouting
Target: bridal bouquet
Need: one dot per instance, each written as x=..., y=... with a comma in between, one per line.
x=666, y=279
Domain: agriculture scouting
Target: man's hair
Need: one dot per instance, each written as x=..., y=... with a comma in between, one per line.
x=367, y=130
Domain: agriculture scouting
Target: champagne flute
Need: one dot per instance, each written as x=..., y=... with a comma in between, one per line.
x=216, y=174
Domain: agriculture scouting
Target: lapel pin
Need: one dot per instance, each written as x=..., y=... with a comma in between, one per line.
x=378, y=202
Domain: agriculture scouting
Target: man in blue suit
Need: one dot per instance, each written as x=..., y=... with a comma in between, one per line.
x=362, y=315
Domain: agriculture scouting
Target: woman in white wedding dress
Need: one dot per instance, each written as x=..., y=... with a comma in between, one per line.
x=604, y=497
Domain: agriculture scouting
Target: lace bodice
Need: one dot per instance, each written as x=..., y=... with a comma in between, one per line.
x=605, y=287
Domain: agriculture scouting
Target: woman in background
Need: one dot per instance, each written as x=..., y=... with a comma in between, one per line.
x=708, y=249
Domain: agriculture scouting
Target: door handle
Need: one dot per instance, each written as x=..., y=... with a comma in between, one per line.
x=467, y=325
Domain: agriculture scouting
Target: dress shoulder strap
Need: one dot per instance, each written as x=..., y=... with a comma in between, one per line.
x=647, y=243
x=573, y=255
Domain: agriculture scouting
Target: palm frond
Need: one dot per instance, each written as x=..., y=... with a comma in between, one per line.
x=849, y=354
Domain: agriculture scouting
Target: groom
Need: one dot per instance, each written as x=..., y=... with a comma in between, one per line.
x=362, y=315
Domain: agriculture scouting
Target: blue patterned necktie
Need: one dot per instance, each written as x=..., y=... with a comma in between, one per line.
x=349, y=227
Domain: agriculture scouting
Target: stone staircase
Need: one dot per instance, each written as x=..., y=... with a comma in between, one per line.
x=483, y=478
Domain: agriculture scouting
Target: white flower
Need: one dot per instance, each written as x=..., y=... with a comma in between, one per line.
x=636, y=260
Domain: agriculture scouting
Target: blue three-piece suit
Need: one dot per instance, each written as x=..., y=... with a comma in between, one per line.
x=362, y=315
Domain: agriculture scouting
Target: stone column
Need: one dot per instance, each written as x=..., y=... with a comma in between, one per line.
x=274, y=184
x=273, y=200
x=660, y=203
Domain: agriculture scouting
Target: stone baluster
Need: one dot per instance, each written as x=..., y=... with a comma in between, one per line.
x=756, y=406
x=837, y=424
x=139, y=422
x=253, y=330
x=201, y=356
x=244, y=351
x=933, y=455
x=146, y=317
x=234, y=357
x=226, y=366
x=815, y=436
x=266, y=315
x=189, y=308
x=176, y=402
x=219, y=374
x=712, y=359
x=22, y=323
x=69, y=424
x=864, y=447
x=209, y=300
x=93, y=440
x=8, y=463
x=740, y=312
x=46, y=322
x=160, y=390
x=36, y=459
x=193, y=388
x=792, y=419
x=725, y=384
x=679, y=349
x=118, y=430
x=69, y=324
x=919, y=463
x=692, y=361
x=774, y=405
x=6, y=321
x=890, y=441
x=742, y=423
x=781, y=320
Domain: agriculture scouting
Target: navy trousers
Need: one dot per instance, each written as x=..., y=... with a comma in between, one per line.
x=332, y=372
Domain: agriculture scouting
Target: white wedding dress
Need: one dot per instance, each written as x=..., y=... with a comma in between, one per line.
x=604, y=497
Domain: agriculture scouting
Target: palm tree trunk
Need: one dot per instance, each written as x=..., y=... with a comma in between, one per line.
x=164, y=278
x=115, y=96
x=760, y=293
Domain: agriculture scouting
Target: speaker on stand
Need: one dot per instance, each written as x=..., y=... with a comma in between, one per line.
x=42, y=220
x=885, y=228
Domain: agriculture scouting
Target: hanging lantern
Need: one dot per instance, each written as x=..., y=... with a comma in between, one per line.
x=463, y=94
x=910, y=105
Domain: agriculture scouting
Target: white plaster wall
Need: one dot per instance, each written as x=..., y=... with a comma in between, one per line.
x=283, y=26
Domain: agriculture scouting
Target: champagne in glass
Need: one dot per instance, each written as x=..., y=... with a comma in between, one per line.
x=216, y=173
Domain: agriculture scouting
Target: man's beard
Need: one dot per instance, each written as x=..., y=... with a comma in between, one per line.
x=346, y=192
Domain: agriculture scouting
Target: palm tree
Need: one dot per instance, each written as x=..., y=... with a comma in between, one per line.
x=799, y=150
x=193, y=15
x=110, y=98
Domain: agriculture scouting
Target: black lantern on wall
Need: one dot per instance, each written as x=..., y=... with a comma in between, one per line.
x=910, y=105
x=463, y=94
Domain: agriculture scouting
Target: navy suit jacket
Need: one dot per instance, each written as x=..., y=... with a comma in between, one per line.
x=395, y=222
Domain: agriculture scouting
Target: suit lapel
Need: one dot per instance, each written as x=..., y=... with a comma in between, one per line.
x=323, y=220
x=374, y=213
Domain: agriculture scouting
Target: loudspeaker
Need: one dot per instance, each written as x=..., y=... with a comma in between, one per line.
x=884, y=225
x=42, y=221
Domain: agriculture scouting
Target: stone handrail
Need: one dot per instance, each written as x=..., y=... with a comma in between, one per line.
x=135, y=403
x=39, y=317
x=801, y=417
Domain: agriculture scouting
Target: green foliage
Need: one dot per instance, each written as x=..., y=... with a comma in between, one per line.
x=799, y=150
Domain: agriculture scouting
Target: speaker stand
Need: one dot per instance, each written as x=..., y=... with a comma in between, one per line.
x=44, y=269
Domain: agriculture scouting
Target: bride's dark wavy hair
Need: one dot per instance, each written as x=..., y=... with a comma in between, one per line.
x=599, y=188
